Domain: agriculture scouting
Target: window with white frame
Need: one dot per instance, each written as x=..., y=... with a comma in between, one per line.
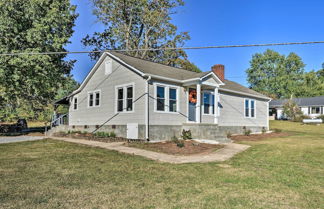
x=315, y=110
x=166, y=98
x=125, y=98
x=172, y=100
x=249, y=108
x=75, y=103
x=208, y=103
x=94, y=99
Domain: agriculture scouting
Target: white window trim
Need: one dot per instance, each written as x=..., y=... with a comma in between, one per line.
x=210, y=100
x=250, y=108
x=73, y=103
x=124, y=86
x=94, y=98
x=311, y=110
x=166, y=98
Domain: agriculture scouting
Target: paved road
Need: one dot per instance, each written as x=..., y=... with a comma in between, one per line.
x=11, y=139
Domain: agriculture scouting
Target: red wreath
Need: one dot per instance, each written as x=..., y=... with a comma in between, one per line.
x=193, y=96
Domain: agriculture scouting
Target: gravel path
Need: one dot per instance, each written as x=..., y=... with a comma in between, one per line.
x=10, y=139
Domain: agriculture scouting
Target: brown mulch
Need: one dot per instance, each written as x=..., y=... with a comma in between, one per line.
x=256, y=137
x=89, y=136
x=168, y=147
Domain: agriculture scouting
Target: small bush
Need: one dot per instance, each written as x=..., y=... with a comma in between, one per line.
x=300, y=118
x=101, y=134
x=264, y=130
x=73, y=132
x=228, y=134
x=112, y=134
x=186, y=134
x=174, y=139
x=247, y=132
x=180, y=144
x=277, y=130
x=321, y=117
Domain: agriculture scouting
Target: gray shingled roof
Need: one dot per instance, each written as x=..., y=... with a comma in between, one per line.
x=153, y=68
x=233, y=86
x=307, y=101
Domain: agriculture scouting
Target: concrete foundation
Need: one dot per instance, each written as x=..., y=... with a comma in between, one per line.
x=166, y=132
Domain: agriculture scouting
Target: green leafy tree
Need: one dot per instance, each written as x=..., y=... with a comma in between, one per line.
x=313, y=84
x=140, y=24
x=275, y=74
x=30, y=82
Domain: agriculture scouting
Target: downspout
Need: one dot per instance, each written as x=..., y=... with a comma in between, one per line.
x=147, y=109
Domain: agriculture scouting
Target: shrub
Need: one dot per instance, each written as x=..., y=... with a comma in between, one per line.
x=180, y=144
x=186, y=134
x=264, y=130
x=321, y=117
x=101, y=134
x=112, y=134
x=300, y=118
x=247, y=132
x=228, y=134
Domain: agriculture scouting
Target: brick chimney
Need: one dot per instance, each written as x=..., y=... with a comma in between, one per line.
x=219, y=70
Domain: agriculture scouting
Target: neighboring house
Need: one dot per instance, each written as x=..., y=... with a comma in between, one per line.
x=136, y=98
x=310, y=106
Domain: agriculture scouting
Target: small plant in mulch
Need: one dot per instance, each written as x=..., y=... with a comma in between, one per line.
x=264, y=130
x=186, y=134
x=247, y=132
x=228, y=134
x=179, y=143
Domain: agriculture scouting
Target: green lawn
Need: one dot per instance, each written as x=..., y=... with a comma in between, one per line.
x=285, y=172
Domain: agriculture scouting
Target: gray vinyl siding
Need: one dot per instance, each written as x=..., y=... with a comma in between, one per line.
x=106, y=84
x=165, y=118
x=232, y=111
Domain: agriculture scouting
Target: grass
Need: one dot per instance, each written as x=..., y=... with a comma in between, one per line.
x=284, y=172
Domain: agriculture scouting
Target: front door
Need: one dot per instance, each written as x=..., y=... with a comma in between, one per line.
x=192, y=100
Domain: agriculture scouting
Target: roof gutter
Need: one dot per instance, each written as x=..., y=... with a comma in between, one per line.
x=245, y=94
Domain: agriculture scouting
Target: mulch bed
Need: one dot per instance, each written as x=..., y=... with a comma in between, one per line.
x=91, y=137
x=169, y=147
x=256, y=137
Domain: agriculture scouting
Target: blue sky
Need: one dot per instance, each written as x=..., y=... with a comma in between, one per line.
x=227, y=22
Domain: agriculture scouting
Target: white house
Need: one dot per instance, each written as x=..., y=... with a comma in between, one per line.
x=310, y=106
x=137, y=98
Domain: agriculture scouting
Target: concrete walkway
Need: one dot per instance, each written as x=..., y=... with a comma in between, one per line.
x=220, y=155
x=10, y=139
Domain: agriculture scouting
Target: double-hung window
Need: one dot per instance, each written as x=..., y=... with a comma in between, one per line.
x=160, y=98
x=94, y=99
x=315, y=110
x=208, y=103
x=249, y=108
x=125, y=98
x=166, y=98
x=75, y=103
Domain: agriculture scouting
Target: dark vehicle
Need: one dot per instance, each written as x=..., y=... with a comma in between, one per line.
x=13, y=128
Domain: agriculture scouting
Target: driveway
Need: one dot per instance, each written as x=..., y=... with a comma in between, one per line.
x=10, y=139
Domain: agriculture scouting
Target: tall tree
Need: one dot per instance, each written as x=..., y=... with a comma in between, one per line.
x=275, y=74
x=140, y=24
x=33, y=26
